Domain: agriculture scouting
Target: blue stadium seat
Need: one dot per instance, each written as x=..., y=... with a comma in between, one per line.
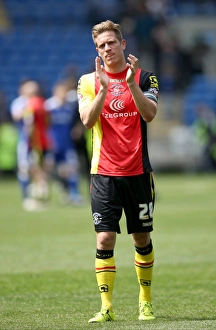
x=46, y=37
x=202, y=90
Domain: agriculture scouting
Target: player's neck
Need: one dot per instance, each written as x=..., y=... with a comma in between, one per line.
x=119, y=67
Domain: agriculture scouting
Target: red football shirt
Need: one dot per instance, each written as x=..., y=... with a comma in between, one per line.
x=39, y=135
x=120, y=133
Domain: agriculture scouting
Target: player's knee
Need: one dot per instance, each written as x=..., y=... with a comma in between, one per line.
x=106, y=240
x=141, y=239
x=23, y=173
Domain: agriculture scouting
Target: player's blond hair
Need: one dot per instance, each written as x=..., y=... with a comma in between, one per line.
x=106, y=26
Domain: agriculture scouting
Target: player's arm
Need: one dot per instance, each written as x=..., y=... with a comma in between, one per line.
x=146, y=106
x=89, y=114
x=91, y=105
x=16, y=116
x=17, y=112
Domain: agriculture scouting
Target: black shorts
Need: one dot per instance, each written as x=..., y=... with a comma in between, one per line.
x=133, y=194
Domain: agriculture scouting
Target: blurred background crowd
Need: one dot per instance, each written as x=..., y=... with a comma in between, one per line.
x=49, y=42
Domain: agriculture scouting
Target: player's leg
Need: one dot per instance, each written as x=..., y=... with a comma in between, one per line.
x=73, y=177
x=23, y=168
x=105, y=270
x=39, y=189
x=106, y=216
x=144, y=262
x=139, y=214
x=24, y=175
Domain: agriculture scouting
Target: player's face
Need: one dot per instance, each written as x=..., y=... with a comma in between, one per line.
x=109, y=48
x=61, y=92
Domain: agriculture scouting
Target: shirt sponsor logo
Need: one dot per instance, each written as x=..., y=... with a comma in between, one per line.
x=153, y=82
x=145, y=282
x=147, y=224
x=116, y=105
x=103, y=288
x=119, y=115
x=116, y=80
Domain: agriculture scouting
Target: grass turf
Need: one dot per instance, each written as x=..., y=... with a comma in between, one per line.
x=47, y=278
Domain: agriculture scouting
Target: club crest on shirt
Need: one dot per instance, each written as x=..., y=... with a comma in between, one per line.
x=80, y=96
x=117, y=89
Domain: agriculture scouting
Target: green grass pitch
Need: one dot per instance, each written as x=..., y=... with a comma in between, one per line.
x=47, y=278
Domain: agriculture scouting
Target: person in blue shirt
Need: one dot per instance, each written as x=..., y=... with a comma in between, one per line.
x=64, y=160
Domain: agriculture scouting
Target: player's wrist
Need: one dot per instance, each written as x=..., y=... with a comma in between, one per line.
x=103, y=88
x=131, y=83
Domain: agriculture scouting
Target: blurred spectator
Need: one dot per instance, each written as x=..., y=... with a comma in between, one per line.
x=64, y=161
x=17, y=109
x=172, y=63
x=145, y=22
x=197, y=55
x=79, y=133
x=161, y=9
x=169, y=65
x=205, y=129
x=32, y=143
x=36, y=123
x=102, y=10
x=128, y=25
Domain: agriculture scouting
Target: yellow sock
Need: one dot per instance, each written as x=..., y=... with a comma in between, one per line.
x=105, y=275
x=144, y=270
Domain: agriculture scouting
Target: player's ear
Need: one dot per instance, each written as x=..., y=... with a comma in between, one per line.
x=123, y=44
x=98, y=52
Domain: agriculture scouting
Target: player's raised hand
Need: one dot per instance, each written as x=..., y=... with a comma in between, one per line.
x=100, y=72
x=133, y=66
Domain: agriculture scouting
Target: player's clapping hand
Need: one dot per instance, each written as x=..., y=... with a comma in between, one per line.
x=133, y=66
x=100, y=72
